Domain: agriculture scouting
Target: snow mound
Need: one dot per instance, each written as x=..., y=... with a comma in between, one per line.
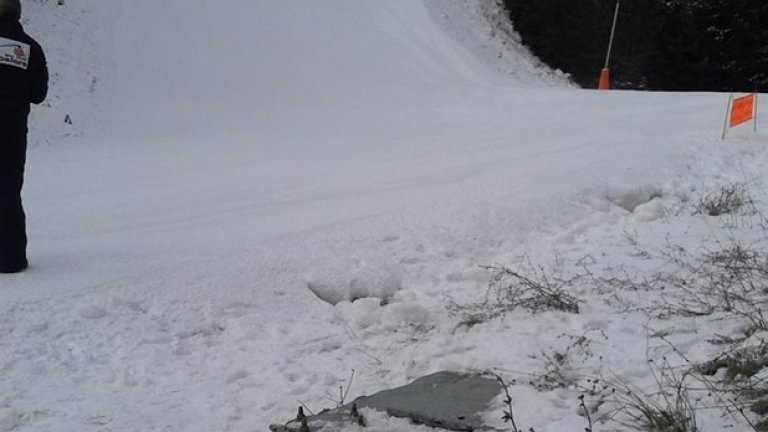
x=650, y=211
x=632, y=197
x=370, y=313
x=359, y=280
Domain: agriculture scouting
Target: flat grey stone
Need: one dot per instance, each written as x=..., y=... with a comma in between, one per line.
x=449, y=400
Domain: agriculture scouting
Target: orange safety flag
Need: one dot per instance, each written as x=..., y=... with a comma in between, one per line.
x=742, y=110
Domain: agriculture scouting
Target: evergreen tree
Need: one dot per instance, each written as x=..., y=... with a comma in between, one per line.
x=660, y=44
x=738, y=41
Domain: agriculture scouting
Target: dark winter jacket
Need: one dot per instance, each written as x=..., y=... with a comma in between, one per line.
x=23, y=69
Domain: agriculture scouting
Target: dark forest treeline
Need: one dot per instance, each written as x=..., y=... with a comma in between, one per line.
x=660, y=44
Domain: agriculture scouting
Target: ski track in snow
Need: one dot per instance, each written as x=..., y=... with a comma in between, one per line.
x=383, y=147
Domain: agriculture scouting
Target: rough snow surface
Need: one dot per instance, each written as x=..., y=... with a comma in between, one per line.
x=225, y=161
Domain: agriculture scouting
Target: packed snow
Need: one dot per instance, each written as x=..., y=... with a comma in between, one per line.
x=233, y=206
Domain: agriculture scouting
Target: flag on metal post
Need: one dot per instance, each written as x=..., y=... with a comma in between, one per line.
x=740, y=110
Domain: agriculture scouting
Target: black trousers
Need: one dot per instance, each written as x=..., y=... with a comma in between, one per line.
x=13, y=151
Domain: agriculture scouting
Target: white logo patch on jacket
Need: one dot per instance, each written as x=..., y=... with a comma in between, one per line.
x=14, y=53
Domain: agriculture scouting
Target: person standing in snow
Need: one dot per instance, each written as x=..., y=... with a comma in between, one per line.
x=23, y=80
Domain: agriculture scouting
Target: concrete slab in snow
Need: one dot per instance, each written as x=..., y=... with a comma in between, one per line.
x=450, y=400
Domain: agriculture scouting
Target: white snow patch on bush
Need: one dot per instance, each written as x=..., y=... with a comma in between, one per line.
x=358, y=281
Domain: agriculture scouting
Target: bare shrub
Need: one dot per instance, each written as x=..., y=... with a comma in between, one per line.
x=726, y=200
x=560, y=366
x=739, y=364
x=508, y=416
x=534, y=293
x=680, y=392
x=509, y=290
x=743, y=367
x=668, y=408
x=732, y=279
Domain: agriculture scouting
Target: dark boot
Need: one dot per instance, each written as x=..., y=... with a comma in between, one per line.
x=18, y=267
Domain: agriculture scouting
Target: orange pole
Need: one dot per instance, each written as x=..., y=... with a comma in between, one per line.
x=605, y=74
x=605, y=79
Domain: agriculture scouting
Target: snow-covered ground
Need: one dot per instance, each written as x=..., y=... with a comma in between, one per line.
x=227, y=162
